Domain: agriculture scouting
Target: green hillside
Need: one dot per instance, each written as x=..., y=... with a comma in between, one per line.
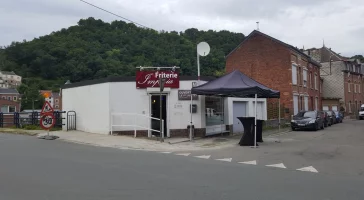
x=95, y=49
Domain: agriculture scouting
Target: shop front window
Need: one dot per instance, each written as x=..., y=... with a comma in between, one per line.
x=214, y=110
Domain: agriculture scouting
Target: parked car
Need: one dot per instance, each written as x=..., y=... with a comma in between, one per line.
x=361, y=112
x=334, y=118
x=331, y=117
x=327, y=120
x=339, y=116
x=312, y=120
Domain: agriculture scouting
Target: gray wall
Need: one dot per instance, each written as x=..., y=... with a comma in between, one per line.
x=333, y=85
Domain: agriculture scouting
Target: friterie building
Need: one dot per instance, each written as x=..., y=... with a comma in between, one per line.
x=133, y=106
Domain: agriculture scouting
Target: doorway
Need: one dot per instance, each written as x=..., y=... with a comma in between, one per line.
x=155, y=111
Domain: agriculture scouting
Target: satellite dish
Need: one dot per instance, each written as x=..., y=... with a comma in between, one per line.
x=203, y=49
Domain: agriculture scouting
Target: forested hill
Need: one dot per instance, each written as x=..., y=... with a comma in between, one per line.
x=95, y=49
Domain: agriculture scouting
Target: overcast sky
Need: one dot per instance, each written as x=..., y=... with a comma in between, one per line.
x=297, y=22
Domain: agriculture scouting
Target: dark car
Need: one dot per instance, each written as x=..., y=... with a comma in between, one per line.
x=312, y=120
x=332, y=117
x=339, y=116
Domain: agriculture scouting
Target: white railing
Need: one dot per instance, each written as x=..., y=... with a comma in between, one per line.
x=134, y=120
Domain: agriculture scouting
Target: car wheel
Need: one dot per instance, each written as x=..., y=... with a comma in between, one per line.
x=293, y=129
x=316, y=127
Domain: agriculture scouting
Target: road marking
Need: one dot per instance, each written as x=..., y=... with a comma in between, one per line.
x=254, y=162
x=225, y=159
x=280, y=165
x=183, y=154
x=308, y=169
x=166, y=152
x=203, y=156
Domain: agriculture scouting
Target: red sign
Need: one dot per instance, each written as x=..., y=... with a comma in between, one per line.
x=47, y=121
x=47, y=108
x=146, y=79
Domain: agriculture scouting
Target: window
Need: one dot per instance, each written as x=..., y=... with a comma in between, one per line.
x=214, y=115
x=349, y=106
x=3, y=97
x=4, y=109
x=14, y=98
x=316, y=103
x=56, y=100
x=349, y=87
x=310, y=79
x=295, y=104
x=301, y=102
x=354, y=88
x=299, y=76
x=359, y=91
x=316, y=82
x=294, y=75
x=12, y=108
x=304, y=78
x=9, y=98
x=306, y=103
x=56, y=106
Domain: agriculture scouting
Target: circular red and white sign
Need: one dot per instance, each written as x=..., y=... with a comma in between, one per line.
x=47, y=121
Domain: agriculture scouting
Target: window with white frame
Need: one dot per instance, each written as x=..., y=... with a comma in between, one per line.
x=294, y=74
x=14, y=98
x=9, y=98
x=316, y=103
x=349, y=106
x=304, y=78
x=316, y=82
x=349, y=90
x=354, y=88
x=359, y=91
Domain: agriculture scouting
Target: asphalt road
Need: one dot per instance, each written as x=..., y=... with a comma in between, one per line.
x=34, y=169
x=336, y=150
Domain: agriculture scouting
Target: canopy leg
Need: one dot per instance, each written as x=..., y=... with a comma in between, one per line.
x=279, y=115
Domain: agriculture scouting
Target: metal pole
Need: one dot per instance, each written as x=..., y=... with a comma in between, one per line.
x=33, y=104
x=279, y=114
x=191, y=116
x=255, y=122
x=198, y=68
x=161, y=115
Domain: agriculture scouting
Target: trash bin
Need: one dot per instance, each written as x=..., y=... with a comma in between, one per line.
x=193, y=130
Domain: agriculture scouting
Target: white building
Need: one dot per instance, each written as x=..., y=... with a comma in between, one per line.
x=9, y=79
x=126, y=106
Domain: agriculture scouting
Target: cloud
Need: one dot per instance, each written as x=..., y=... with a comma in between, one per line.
x=299, y=23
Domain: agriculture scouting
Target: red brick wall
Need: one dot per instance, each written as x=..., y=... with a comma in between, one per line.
x=10, y=103
x=269, y=63
x=355, y=98
x=2, y=96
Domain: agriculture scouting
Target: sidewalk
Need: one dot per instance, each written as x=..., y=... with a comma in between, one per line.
x=127, y=142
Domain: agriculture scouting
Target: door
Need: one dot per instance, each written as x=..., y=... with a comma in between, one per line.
x=295, y=104
x=239, y=110
x=325, y=108
x=155, y=111
x=306, y=103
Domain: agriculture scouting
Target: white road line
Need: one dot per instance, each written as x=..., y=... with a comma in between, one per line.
x=166, y=152
x=203, y=156
x=225, y=159
x=280, y=165
x=254, y=162
x=308, y=169
x=183, y=154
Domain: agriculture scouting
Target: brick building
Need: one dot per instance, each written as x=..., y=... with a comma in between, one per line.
x=279, y=66
x=343, y=80
x=9, y=100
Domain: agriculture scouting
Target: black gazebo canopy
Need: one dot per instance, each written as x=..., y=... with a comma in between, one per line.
x=235, y=84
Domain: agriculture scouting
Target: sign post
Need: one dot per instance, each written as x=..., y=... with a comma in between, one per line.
x=47, y=119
